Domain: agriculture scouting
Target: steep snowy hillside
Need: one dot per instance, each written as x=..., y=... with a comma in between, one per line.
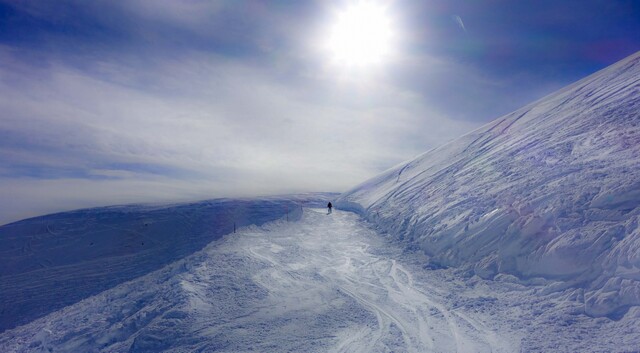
x=49, y=262
x=549, y=194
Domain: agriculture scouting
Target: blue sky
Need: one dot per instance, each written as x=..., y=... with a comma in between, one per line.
x=107, y=102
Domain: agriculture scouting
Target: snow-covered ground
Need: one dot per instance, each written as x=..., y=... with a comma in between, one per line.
x=49, y=262
x=549, y=194
x=327, y=283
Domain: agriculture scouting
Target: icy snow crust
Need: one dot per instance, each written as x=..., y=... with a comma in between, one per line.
x=549, y=193
x=49, y=262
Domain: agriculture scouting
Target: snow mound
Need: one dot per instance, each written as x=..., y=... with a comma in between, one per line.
x=49, y=262
x=549, y=193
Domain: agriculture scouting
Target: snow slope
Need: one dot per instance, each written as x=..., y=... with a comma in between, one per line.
x=324, y=284
x=49, y=262
x=549, y=194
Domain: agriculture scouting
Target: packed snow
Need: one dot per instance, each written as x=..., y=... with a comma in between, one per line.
x=49, y=262
x=325, y=283
x=548, y=194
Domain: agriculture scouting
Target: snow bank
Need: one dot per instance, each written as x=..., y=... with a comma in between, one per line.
x=548, y=192
x=49, y=262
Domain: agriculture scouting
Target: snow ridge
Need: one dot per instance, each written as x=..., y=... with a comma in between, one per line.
x=49, y=262
x=550, y=192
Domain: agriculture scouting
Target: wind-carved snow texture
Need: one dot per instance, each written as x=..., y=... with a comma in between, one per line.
x=550, y=192
x=49, y=262
x=323, y=284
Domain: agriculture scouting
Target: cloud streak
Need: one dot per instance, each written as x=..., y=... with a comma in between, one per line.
x=458, y=21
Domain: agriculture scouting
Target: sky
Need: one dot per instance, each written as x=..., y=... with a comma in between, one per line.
x=112, y=101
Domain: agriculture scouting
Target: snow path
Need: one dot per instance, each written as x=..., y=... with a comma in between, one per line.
x=325, y=283
x=335, y=259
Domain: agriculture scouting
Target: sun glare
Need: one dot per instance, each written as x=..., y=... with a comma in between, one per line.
x=361, y=35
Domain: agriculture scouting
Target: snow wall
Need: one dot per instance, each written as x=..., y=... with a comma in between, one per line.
x=49, y=262
x=549, y=194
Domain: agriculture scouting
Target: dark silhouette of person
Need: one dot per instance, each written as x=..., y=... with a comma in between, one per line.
x=329, y=206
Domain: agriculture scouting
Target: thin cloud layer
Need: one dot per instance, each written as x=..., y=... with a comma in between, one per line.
x=209, y=127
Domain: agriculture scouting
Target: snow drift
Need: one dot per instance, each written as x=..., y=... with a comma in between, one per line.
x=49, y=262
x=549, y=193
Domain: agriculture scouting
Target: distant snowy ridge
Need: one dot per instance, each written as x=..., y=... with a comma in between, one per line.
x=549, y=193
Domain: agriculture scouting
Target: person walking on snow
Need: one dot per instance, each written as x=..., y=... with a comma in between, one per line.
x=329, y=206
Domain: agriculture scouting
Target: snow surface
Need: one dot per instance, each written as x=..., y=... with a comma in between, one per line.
x=327, y=283
x=49, y=262
x=547, y=194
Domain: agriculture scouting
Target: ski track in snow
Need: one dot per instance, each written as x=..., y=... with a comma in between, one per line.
x=328, y=283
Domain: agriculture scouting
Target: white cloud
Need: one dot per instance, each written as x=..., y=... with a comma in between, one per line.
x=196, y=126
x=160, y=100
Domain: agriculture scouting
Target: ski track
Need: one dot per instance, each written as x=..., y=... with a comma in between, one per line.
x=327, y=283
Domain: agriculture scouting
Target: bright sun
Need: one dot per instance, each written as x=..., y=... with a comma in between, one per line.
x=361, y=35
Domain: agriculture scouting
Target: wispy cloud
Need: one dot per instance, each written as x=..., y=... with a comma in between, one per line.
x=458, y=21
x=192, y=127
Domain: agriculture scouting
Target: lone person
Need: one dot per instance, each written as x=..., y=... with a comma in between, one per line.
x=329, y=206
